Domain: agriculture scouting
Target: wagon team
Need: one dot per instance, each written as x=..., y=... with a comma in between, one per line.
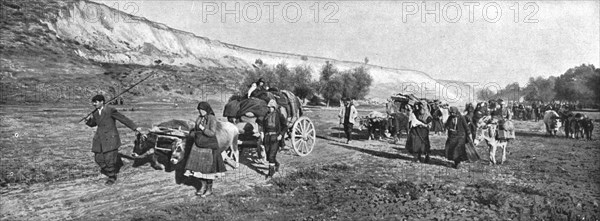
x=206, y=163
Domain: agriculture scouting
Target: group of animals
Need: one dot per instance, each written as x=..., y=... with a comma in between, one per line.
x=575, y=126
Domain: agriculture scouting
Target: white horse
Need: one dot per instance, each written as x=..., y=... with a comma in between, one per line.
x=488, y=133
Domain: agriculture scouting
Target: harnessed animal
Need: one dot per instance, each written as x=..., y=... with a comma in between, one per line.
x=227, y=138
x=374, y=122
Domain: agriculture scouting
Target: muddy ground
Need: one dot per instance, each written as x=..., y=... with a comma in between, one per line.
x=48, y=173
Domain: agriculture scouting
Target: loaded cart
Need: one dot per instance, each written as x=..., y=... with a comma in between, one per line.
x=301, y=135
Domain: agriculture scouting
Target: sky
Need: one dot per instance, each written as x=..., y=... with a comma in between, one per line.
x=487, y=41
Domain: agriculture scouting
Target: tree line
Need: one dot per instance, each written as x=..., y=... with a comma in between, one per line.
x=331, y=86
x=579, y=84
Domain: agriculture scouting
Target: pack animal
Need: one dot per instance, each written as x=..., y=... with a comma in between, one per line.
x=488, y=134
x=374, y=123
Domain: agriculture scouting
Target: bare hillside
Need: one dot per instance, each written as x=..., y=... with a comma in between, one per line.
x=76, y=40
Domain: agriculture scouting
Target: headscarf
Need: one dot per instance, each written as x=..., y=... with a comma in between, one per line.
x=424, y=113
x=206, y=107
x=272, y=103
x=454, y=109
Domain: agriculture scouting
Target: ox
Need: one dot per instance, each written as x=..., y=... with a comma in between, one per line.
x=143, y=147
x=551, y=120
x=375, y=121
x=576, y=126
x=227, y=138
x=588, y=127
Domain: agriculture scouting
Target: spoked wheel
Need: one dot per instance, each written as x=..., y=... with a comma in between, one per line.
x=303, y=136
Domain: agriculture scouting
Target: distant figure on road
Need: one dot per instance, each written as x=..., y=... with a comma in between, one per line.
x=348, y=115
x=106, y=142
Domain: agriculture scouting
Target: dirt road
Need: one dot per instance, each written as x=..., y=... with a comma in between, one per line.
x=544, y=177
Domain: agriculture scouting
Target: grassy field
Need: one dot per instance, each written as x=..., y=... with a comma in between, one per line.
x=48, y=174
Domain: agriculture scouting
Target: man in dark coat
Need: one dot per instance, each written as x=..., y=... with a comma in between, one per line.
x=106, y=141
x=275, y=125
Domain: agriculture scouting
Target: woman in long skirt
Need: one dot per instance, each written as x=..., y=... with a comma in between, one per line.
x=205, y=161
x=437, y=125
x=417, y=142
x=458, y=136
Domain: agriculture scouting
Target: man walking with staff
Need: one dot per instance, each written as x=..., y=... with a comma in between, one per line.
x=106, y=142
x=348, y=115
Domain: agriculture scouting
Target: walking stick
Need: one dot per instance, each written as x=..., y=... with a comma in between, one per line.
x=340, y=134
x=112, y=99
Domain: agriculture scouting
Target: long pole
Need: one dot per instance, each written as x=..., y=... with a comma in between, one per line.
x=115, y=97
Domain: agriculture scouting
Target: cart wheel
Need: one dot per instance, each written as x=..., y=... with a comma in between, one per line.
x=303, y=136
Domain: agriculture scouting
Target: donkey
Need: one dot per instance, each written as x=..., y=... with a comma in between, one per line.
x=488, y=134
x=227, y=137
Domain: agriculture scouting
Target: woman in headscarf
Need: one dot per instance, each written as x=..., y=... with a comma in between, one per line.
x=437, y=125
x=205, y=161
x=458, y=136
x=470, y=118
x=417, y=142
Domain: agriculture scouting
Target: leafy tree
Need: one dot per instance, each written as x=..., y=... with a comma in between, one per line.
x=485, y=94
x=324, y=87
x=573, y=86
x=593, y=83
x=327, y=71
x=363, y=81
x=540, y=89
x=302, y=81
x=284, y=77
x=352, y=83
x=332, y=90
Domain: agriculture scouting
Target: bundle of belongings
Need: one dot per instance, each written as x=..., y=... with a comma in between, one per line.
x=376, y=116
x=506, y=130
x=253, y=105
x=251, y=111
x=410, y=99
